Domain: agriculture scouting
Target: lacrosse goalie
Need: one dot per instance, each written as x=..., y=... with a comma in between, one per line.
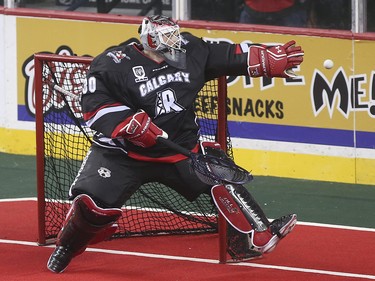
x=140, y=94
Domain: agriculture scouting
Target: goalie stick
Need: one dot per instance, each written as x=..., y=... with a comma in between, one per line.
x=211, y=169
x=63, y=91
x=55, y=85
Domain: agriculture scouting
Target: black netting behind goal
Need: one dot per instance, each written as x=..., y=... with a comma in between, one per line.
x=63, y=140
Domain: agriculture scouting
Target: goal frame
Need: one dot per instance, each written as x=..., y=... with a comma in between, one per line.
x=41, y=205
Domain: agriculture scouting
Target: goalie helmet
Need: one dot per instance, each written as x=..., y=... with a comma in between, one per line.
x=162, y=35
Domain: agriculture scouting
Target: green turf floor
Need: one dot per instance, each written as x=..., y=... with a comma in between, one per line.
x=313, y=201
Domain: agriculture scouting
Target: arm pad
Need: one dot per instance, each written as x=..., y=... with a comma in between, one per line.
x=139, y=130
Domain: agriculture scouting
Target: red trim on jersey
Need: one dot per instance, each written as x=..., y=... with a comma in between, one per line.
x=120, y=126
x=167, y=159
x=238, y=50
x=88, y=115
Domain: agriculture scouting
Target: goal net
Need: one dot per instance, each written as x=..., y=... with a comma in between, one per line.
x=63, y=140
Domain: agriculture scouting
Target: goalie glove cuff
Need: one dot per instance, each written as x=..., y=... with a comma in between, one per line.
x=139, y=130
x=274, y=61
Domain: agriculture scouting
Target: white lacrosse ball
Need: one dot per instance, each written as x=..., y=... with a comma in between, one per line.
x=328, y=64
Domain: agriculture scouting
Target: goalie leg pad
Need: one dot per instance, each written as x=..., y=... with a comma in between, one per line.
x=85, y=223
x=104, y=233
x=229, y=208
x=265, y=235
x=239, y=208
x=252, y=211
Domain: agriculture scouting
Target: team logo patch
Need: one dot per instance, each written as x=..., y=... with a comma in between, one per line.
x=166, y=102
x=117, y=56
x=104, y=172
x=139, y=74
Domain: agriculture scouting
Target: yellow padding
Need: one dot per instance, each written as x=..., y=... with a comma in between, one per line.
x=17, y=141
x=304, y=166
x=24, y=142
x=262, y=163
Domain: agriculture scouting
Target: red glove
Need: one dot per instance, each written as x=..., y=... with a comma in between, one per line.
x=274, y=61
x=140, y=130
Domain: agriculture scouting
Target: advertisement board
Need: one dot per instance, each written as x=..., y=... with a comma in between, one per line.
x=318, y=125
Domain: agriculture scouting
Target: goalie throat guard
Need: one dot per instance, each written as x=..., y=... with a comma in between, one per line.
x=162, y=35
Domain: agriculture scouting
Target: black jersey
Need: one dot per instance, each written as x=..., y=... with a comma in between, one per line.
x=123, y=80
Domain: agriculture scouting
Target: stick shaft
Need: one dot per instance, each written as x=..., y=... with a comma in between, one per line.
x=65, y=92
x=174, y=146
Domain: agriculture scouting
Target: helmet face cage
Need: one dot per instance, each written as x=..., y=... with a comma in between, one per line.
x=159, y=33
x=170, y=37
x=162, y=34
